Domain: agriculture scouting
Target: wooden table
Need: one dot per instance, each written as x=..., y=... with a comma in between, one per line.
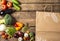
x=29, y=9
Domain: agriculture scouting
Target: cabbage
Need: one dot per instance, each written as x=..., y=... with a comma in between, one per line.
x=8, y=20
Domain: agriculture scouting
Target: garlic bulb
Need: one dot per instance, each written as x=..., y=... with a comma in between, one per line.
x=20, y=39
x=25, y=34
x=2, y=27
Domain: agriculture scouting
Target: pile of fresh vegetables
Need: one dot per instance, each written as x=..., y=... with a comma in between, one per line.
x=7, y=6
x=8, y=27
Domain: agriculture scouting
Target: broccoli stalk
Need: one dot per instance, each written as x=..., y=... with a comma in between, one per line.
x=2, y=21
x=8, y=20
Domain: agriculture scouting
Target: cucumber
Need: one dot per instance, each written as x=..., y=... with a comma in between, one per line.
x=17, y=7
x=15, y=1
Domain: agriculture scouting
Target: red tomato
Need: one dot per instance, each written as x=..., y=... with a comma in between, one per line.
x=4, y=7
x=3, y=36
x=9, y=4
x=3, y=2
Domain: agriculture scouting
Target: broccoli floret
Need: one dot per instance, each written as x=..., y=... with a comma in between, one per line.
x=8, y=20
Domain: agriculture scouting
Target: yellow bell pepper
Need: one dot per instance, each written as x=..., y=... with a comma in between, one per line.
x=18, y=26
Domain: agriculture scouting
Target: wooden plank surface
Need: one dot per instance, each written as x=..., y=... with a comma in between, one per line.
x=41, y=7
x=25, y=17
x=39, y=1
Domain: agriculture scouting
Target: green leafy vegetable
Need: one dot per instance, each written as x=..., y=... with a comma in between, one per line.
x=25, y=28
x=10, y=31
x=8, y=20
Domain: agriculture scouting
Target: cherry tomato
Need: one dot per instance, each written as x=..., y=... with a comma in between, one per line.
x=4, y=7
x=3, y=33
x=3, y=36
x=6, y=36
x=3, y=2
x=9, y=4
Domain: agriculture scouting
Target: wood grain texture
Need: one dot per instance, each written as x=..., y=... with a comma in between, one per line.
x=38, y=1
x=41, y=7
x=25, y=17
